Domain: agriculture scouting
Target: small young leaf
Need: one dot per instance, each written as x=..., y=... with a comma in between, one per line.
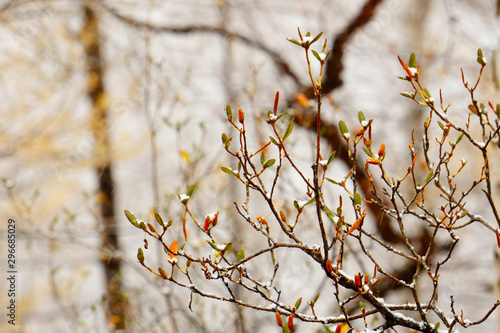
x=330, y=215
x=361, y=305
x=224, y=138
x=460, y=137
x=355, y=225
x=228, y=170
x=367, y=152
x=412, y=61
x=131, y=217
x=191, y=190
x=159, y=220
x=262, y=159
x=332, y=156
x=240, y=255
x=343, y=129
x=140, y=255
x=297, y=303
x=480, y=58
x=441, y=125
x=361, y=117
x=288, y=130
x=316, y=38
x=285, y=328
x=406, y=94
x=269, y=163
x=357, y=199
x=316, y=55
x=316, y=297
x=229, y=111
x=429, y=176
x=294, y=41
x=426, y=93
x=273, y=140
x=332, y=181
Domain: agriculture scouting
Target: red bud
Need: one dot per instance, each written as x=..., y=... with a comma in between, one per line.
x=338, y=329
x=329, y=267
x=279, y=320
x=290, y=322
x=241, y=115
x=357, y=280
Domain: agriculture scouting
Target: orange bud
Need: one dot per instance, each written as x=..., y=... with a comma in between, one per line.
x=162, y=273
x=173, y=248
x=373, y=161
x=381, y=150
x=302, y=99
x=283, y=216
x=290, y=322
x=357, y=280
x=367, y=278
x=329, y=267
x=279, y=320
x=241, y=115
x=338, y=329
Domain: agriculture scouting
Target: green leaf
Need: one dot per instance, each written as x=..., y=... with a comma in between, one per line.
x=288, y=130
x=405, y=94
x=367, y=152
x=285, y=328
x=329, y=213
x=361, y=305
x=332, y=181
x=216, y=247
x=131, y=217
x=294, y=41
x=412, y=61
x=273, y=140
x=159, y=220
x=310, y=201
x=191, y=190
x=229, y=111
x=437, y=326
x=357, y=199
x=269, y=163
x=228, y=247
x=429, y=176
x=361, y=118
x=316, y=38
x=343, y=129
x=332, y=156
x=480, y=58
x=169, y=224
x=426, y=93
x=316, y=55
x=262, y=158
x=441, y=125
x=224, y=138
x=316, y=297
x=460, y=137
x=297, y=303
x=228, y=170
x=240, y=255
x=296, y=204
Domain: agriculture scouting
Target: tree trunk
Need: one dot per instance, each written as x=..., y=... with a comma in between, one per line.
x=116, y=300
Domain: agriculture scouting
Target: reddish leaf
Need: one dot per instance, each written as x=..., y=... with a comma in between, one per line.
x=173, y=248
x=356, y=225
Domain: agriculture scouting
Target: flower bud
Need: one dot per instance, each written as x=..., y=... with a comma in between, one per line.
x=241, y=115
